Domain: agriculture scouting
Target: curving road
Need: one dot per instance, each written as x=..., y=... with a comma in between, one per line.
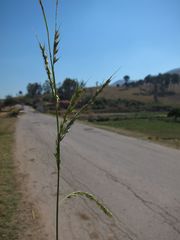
x=138, y=180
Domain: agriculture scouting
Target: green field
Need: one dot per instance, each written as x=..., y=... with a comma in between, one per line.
x=161, y=130
x=9, y=197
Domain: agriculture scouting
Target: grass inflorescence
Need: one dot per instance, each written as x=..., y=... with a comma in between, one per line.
x=63, y=125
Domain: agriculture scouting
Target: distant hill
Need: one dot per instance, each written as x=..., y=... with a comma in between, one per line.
x=118, y=82
x=175, y=71
x=121, y=81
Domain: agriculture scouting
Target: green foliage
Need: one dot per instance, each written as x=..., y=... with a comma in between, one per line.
x=47, y=98
x=117, y=105
x=46, y=88
x=20, y=93
x=27, y=100
x=101, y=103
x=152, y=125
x=9, y=101
x=68, y=88
x=136, y=83
x=1, y=104
x=174, y=113
x=34, y=89
x=159, y=85
x=126, y=80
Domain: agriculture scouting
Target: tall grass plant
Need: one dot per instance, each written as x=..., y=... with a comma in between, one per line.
x=65, y=122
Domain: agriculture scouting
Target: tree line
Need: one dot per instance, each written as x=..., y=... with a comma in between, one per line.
x=157, y=86
x=160, y=85
x=65, y=90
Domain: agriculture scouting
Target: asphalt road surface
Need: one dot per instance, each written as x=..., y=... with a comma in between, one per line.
x=139, y=181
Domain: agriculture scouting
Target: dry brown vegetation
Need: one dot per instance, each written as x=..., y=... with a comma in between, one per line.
x=134, y=93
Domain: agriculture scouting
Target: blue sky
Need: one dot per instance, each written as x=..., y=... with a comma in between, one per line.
x=97, y=37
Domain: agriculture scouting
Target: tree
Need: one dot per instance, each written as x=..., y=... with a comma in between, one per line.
x=175, y=113
x=68, y=88
x=20, y=93
x=126, y=80
x=34, y=89
x=157, y=85
x=9, y=101
x=152, y=86
x=175, y=79
x=155, y=89
x=46, y=88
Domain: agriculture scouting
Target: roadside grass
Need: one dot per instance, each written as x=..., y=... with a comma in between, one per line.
x=159, y=130
x=9, y=197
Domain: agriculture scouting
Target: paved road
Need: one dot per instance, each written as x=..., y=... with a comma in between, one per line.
x=139, y=181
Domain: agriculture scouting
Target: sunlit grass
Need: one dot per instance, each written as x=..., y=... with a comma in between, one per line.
x=9, y=197
x=161, y=130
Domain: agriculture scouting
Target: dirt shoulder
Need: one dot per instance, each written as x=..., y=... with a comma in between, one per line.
x=28, y=220
x=17, y=214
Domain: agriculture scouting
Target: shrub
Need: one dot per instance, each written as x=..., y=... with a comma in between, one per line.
x=174, y=113
x=14, y=112
x=9, y=101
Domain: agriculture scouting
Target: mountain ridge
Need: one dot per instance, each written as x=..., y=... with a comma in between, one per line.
x=120, y=82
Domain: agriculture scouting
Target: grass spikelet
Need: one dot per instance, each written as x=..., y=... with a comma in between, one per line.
x=46, y=63
x=55, y=48
x=73, y=102
x=90, y=197
x=47, y=68
x=66, y=128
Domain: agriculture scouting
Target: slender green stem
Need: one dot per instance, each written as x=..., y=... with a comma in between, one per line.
x=58, y=169
x=57, y=205
x=57, y=116
x=58, y=138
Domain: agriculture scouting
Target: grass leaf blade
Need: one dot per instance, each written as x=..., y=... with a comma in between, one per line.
x=90, y=197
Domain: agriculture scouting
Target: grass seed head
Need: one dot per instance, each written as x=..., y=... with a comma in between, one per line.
x=55, y=49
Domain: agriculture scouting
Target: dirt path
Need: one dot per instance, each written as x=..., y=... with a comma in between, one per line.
x=138, y=181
